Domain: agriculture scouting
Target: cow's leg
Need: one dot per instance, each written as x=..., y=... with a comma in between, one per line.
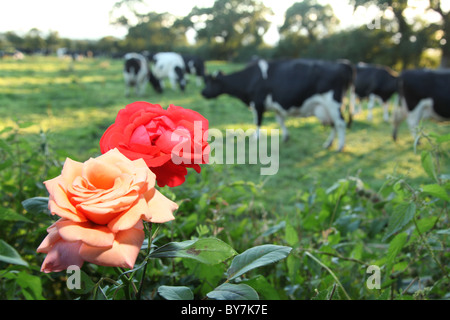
x=339, y=125
x=140, y=86
x=257, y=110
x=173, y=79
x=370, y=106
x=280, y=119
x=328, y=111
x=338, y=122
x=386, y=111
x=414, y=117
x=180, y=78
x=327, y=144
x=399, y=115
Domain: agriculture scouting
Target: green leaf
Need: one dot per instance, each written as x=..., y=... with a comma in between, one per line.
x=229, y=291
x=400, y=217
x=265, y=290
x=256, y=257
x=7, y=214
x=209, y=250
x=291, y=235
x=395, y=247
x=436, y=191
x=428, y=164
x=31, y=286
x=440, y=138
x=9, y=255
x=175, y=293
x=36, y=205
x=86, y=284
x=274, y=229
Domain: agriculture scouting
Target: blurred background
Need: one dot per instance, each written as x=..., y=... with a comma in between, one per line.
x=397, y=33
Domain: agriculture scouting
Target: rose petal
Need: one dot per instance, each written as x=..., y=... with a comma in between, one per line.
x=48, y=242
x=74, y=215
x=160, y=207
x=170, y=174
x=140, y=136
x=130, y=217
x=87, y=232
x=71, y=169
x=59, y=203
x=62, y=255
x=123, y=253
x=100, y=174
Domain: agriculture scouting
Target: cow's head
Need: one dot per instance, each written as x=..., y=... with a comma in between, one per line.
x=156, y=84
x=213, y=85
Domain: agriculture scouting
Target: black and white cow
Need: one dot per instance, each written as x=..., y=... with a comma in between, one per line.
x=375, y=82
x=169, y=65
x=137, y=74
x=424, y=94
x=289, y=87
x=195, y=66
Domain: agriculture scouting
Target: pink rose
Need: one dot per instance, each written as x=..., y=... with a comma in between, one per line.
x=102, y=203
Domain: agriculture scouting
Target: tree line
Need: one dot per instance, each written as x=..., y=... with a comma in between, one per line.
x=234, y=30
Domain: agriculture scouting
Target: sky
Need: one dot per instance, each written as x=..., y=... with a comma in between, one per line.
x=89, y=19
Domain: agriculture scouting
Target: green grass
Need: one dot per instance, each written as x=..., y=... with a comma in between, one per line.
x=70, y=104
x=74, y=102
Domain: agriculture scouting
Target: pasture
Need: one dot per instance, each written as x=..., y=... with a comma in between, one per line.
x=335, y=207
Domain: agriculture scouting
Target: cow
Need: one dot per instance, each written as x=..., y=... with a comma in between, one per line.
x=137, y=74
x=170, y=65
x=375, y=82
x=423, y=94
x=195, y=66
x=298, y=87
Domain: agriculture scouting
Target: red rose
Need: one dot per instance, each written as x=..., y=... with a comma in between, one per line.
x=169, y=141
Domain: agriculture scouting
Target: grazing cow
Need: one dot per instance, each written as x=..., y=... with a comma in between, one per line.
x=289, y=87
x=376, y=83
x=423, y=94
x=195, y=66
x=136, y=74
x=170, y=65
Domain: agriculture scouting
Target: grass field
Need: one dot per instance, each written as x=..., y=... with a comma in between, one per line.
x=74, y=102
x=68, y=105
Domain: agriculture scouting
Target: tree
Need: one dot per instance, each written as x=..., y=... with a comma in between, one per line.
x=444, y=37
x=33, y=41
x=155, y=32
x=229, y=25
x=52, y=41
x=14, y=40
x=309, y=18
x=412, y=38
x=125, y=13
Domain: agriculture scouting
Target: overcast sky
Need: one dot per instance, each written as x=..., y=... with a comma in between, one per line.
x=89, y=19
